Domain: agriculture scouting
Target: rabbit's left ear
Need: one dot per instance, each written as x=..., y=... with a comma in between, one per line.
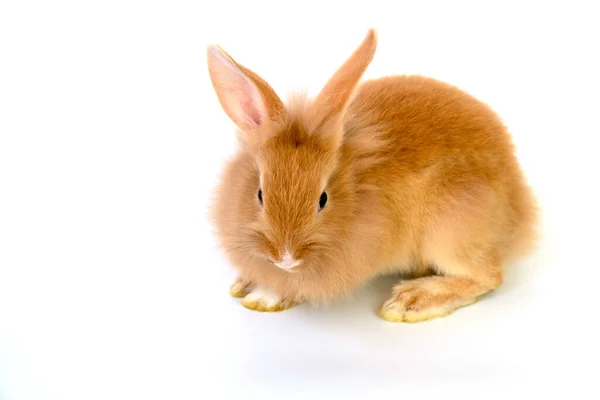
x=329, y=106
x=246, y=98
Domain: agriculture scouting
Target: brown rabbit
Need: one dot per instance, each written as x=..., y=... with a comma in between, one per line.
x=399, y=174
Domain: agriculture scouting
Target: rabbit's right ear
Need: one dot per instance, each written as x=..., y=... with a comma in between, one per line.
x=330, y=105
x=247, y=99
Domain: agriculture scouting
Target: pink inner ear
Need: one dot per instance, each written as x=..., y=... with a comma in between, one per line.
x=244, y=101
x=249, y=106
x=239, y=96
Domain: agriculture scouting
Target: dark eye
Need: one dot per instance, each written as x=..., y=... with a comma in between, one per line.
x=322, y=200
x=260, y=196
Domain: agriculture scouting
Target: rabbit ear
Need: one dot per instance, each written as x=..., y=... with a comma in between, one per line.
x=329, y=106
x=247, y=99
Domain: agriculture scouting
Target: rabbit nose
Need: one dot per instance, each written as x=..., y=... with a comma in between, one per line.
x=287, y=262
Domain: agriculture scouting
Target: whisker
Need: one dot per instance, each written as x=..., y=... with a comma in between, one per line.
x=237, y=248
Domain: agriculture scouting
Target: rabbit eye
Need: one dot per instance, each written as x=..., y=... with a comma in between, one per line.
x=260, y=199
x=322, y=200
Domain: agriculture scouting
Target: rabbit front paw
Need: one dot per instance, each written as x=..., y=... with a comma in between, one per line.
x=263, y=300
x=240, y=288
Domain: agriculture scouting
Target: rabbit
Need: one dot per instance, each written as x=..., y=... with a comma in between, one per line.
x=401, y=175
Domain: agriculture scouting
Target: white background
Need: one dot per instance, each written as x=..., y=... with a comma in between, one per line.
x=111, y=141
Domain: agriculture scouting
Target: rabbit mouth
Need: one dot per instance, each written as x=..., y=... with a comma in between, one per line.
x=287, y=262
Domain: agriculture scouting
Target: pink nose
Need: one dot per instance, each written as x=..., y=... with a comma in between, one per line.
x=287, y=262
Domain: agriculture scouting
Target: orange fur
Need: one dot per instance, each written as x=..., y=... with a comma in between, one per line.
x=420, y=177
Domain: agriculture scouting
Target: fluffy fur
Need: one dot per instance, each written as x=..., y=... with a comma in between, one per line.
x=421, y=178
